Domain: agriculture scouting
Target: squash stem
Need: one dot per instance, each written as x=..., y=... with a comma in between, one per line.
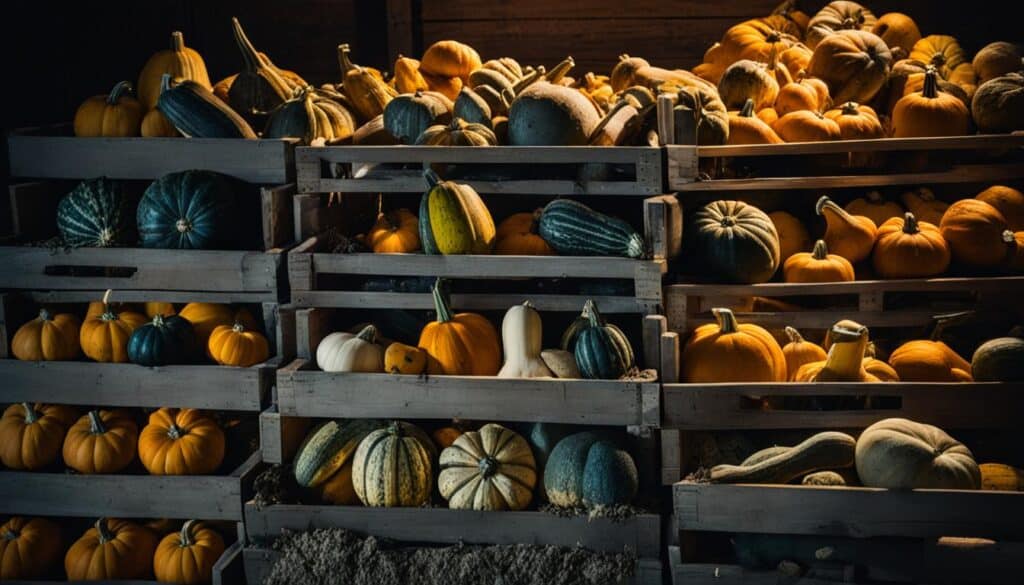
x=165, y=82
x=591, y=313
x=748, y=109
x=105, y=535
x=177, y=41
x=559, y=71
x=441, y=303
x=175, y=432
x=108, y=314
x=10, y=534
x=368, y=334
x=96, y=423
x=850, y=109
x=344, y=62
x=910, y=224
x=794, y=335
x=825, y=204
x=186, y=540
x=488, y=466
x=432, y=178
x=44, y=315
x=820, y=250
x=726, y=320
x=118, y=91
x=250, y=56
x=931, y=83
x=158, y=320
x=31, y=415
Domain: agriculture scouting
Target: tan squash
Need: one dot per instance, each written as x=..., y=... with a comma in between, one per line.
x=850, y=236
x=901, y=454
x=997, y=59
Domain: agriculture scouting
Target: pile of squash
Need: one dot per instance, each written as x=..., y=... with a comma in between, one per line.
x=112, y=549
x=869, y=237
x=467, y=344
x=728, y=351
x=473, y=467
x=153, y=335
x=843, y=74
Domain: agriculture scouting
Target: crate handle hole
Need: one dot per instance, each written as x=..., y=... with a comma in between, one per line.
x=90, y=271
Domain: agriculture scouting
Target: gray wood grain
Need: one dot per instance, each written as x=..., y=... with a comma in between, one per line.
x=230, y=567
x=977, y=142
x=141, y=296
x=468, y=302
x=277, y=215
x=785, y=289
x=485, y=267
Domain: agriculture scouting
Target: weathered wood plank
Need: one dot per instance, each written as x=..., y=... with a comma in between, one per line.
x=230, y=567
x=653, y=328
x=814, y=319
x=562, y=187
x=977, y=142
x=486, y=267
x=141, y=296
x=277, y=214
x=525, y=155
x=671, y=456
x=853, y=512
x=785, y=289
x=280, y=436
x=468, y=302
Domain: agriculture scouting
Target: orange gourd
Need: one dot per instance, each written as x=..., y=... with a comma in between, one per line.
x=974, y=230
x=806, y=126
x=899, y=32
x=796, y=58
x=187, y=557
x=104, y=337
x=745, y=80
x=396, y=232
x=854, y=64
x=517, y=235
x=727, y=351
x=111, y=550
x=809, y=93
x=746, y=128
x=156, y=125
x=235, y=345
x=29, y=548
x=768, y=115
x=875, y=207
x=102, y=441
x=924, y=360
x=1009, y=202
x=907, y=248
x=459, y=344
x=450, y=59
x=181, y=442
x=850, y=236
x=400, y=358
x=407, y=77
x=856, y=122
x=818, y=266
x=205, y=317
x=116, y=114
x=48, y=337
x=845, y=361
x=793, y=236
x=31, y=434
x=877, y=367
x=799, y=352
x=923, y=204
x=930, y=112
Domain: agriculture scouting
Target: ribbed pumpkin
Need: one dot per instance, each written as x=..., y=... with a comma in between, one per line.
x=809, y=93
x=456, y=219
x=701, y=113
x=407, y=77
x=923, y=360
x=102, y=441
x=29, y=548
x=746, y=128
x=602, y=352
x=899, y=32
x=96, y=213
x=906, y=248
x=111, y=550
x=449, y=58
x=395, y=232
x=998, y=103
x=727, y=351
x=407, y=116
x=181, y=442
x=517, y=235
x=153, y=308
x=793, y=236
x=799, y=352
x=856, y=122
x=344, y=352
x=31, y=435
x=806, y=126
x=104, y=337
x=940, y=51
x=997, y=476
x=753, y=39
x=328, y=447
x=837, y=16
x=1009, y=202
x=163, y=341
x=236, y=345
x=392, y=467
x=850, y=236
x=736, y=241
x=489, y=469
x=900, y=454
x=854, y=64
x=179, y=61
x=817, y=266
x=999, y=360
x=930, y=112
x=460, y=344
x=188, y=557
x=368, y=94
x=116, y=114
x=458, y=133
x=845, y=361
x=974, y=230
x=48, y=337
x=908, y=76
x=588, y=469
x=205, y=317
x=874, y=206
x=923, y=204
x=745, y=80
x=156, y=125
x=189, y=210
x=310, y=115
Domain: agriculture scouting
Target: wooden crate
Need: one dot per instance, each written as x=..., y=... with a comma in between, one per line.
x=581, y=170
x=54, y=153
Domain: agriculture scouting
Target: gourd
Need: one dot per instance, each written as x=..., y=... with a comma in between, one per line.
x=997, y=476
x=518, y=235
x=453, y=219
x=700, y=114
x=236, y=345
x=823, y=478
x=368, y=94
x=736, y=241
x=899, y=32
x=188, y=210
x=929, y=112
x=179, y=61
x=923, y=204
x=260, y=87
x=746, y=128
x=104, y=337
x=602, y=352
x=460, y=344
x=856, y=122
x=799, y=352
x=561, y=363
x=29, y=548
x=153, y=308
x=753, y=39
x=827, y=450
x=764, y=455
x=96, y=213
x=392, y=467
x=197, y=113
x=573, y=229
x=408, y=115
x=407, y=77
x=850, y=236
x=116, y=114
x=48, y=337
x=188, y=556
x=181, y=442
x=745, y=80
x=845, y=361
x=473, y=107
x=727, y=351
x=793, y=236
x=163, y=341
x=586, y=469
x=853, y=63
x=897, y=453
x=450, y=59
x=521, y=338
x=923, y=360
x=974, y=230
x=308, y=116
x=940, y=51
x=806, y=126
x=997, y=59
x=838, y=16
x=1008, y=201
x=547, y=114
x=796, y=58
x=875, y=207
x=817, y=266
x=110, y=550
x=999, y=360
x=102, y=441
x=395, y=232
x=400, y=358
x=156, y=125
x=458, y=133
x=205, y=317
x=31, y=435
x=345, y=352
x=489, y=469
x=328, y=447
x=906, y=248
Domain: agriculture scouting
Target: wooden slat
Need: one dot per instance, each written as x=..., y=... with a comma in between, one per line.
x=312, y=393
x=977, y=142
x=229, y=568
x=853, y=512
x=486, y=267
x=712, y=574
x=641, y=533
x=525, y=155
x=583, y=10
x=280, y=436
x=947, y=405
x=511, y=186
x=277, y=214
x=815, y=319
x=141, y=296
x=468, y=302
x=785, y=289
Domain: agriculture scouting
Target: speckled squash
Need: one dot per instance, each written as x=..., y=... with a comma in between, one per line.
x=327, y=448
x=96, y=213
x=489, y=469
x=999, y=360
x=392, y=467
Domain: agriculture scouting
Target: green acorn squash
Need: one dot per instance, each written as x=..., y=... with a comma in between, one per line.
x=189, y=210
x=573, y=229
x=736, y=241
x=999, y=360
x=587, y=469
x=327, y=447
x=408, y=115
x=96, y=213
x=456, y=220
x=602, y=352
x=163, y=341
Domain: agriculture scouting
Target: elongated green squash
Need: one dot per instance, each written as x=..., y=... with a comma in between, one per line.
x=197, y=113
x=601, y=352
x=828, y=450
x=427, y=241
x=457, y=218
x=764, y=454
x=328, y=447
x=573, y=229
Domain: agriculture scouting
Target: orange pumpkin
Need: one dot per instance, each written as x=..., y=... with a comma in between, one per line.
x=856, y=122
x=111, y=549
x=799, y=352
x=753, y=39
x=445, y=436
x=817, y=266
x=806, y=126
x=235, y=345
x=48, y=337
x=102, y=441
x=850, y=236
x=116, y=114
x=923, y=360
x=875, y=207
x=29, y=548
x=796, y=58
x=768, y=115
x=461, y=344
x=517, y=236
x=930, y=112
x=31, y=435
x=745, y=128
x=154, y=308
x=899, y=32
x=396, y=232
x=205, y=317
x=181, y=442
x=187, y=557
x=906, y=248
x=745, y=80
x=923, y=204
x=940, y=51
x=727, y=351
x=854, y=64
x=450, y=59
x=104, y=337
x=1009, y=202
x=793, y=236
x=810, y=93
x=974, y=230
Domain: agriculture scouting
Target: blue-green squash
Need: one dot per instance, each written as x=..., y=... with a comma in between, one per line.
x=96, y=213
x=573, y=229
x=197, y=113
x=308, y=116
x=426, y=232
x=408, y=115
x=163, y=341
x=736, y=242
x=588, y=469
x=601, y=352
x=547, y=114
x=189, y=210
x=327, y=447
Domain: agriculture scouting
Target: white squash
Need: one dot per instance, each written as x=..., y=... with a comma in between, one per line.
x=561, y=363
x=345, y=352
x=521, y=337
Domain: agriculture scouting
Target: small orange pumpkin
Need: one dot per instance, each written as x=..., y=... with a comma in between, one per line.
x=460, y=344
x=817, y=266
x=768, y=115
x=799, y=352
x=974, y=230
x=450, y=59
x=396, y=232
x=923, y=360
x=906, y=248
x=517, y=235
x=235, y=345
x=1015, y=251
x=806, y=126
x=850, y=236
x=205, y=317
x=104, y=337
x=111, y=550
x=793, y=236
x=874, y=206
x=102, y=441
x=29, y=548
x=187, y=557
x=746, y=128
x=1009, y=202
x=181, y=442
x=810, y=93
x=727, y=351
x=856, y=122
x=854, y=64
x=930, y=112
x=116, y=114
x=48, y=337
x=31, y=434
x=899, y=32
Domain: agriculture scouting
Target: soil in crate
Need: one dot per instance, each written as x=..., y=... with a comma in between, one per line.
x=340, y=556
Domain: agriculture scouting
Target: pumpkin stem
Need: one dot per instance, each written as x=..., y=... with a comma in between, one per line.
x=591, y=314
x=488, y=466
x=850, y=109
x=96, y=426
x=931, y=83
x=747, y=111
x=433, y=180
x=820, y=251
x=368, y=334
x=177, y=41
x=343, y=59
x=726, y=320
x=238, y=327
x=910, y=224
x=118, y=91
x=175, y=432
x=559, y=71
x=105, y=535
x=185, y=539
x=183, y=225
x=158, y=320
x=108, y=314
x=44, y=315
x=10, y=534
x=794, y=335
x=1008, y=238
x=31, y=415
x=441, y=302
